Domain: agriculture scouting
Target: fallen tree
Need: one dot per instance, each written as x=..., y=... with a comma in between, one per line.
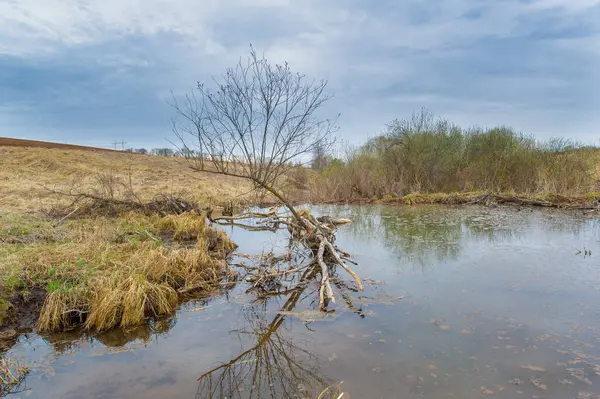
x=558, y=202
x=316, y=234
x=590, y=202
x=260, y=121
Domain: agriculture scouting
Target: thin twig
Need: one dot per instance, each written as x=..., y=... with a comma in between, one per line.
x=341, y=263
x=66, y=217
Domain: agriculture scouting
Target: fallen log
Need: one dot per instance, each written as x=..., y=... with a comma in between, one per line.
x=316, y=234
x=523, y=201
x=543, y=203
x=561, y=202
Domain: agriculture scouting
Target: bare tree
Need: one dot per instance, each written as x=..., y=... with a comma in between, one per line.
x=163, y=152
x=257, y=121
x=320, y=158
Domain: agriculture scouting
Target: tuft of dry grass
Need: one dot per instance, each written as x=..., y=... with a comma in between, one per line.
x=186, y=226
x=108, y=272
x=127, y=301
x=12, y=373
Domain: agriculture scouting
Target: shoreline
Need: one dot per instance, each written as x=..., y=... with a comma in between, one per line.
x=22, y=314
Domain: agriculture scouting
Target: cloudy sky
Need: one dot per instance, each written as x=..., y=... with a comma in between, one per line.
x=95, y=71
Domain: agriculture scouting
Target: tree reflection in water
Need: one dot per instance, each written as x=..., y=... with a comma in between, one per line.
x=275, y=366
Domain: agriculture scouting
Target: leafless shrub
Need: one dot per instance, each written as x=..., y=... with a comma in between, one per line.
x=257, y=121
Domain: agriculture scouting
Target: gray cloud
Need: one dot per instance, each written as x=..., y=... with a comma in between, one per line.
x=77, y=70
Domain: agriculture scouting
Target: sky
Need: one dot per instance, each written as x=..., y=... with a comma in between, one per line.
x=92, y=72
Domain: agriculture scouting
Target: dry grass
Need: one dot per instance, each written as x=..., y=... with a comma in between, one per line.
x=12, y=373
x=27, y=173
x=107, y=272
x=428, y=155
x=103, y=268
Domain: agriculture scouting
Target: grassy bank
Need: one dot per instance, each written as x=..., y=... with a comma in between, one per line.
x=588, y=201
x=105, y=265
x=104, y=272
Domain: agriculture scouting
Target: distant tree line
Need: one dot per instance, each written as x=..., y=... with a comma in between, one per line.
x=163, y=152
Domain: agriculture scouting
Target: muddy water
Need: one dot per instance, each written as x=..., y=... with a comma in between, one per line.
x=459, y=303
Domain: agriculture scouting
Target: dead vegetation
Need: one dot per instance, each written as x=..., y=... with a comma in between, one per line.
x=107, y=258
x=317, y=235
x=260, y=122
x=31, y=177
x=427, y=155
x=12, y=374
x=105, y=272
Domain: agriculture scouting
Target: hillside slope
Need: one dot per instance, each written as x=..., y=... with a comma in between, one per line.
x=28, y=174
x=11, y=142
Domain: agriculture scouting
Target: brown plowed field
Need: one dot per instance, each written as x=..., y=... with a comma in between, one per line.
x=10, y=142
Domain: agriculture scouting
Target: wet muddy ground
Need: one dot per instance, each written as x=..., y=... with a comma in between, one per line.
x=465, y=302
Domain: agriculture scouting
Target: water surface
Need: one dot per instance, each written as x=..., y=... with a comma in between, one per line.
x=463, y=302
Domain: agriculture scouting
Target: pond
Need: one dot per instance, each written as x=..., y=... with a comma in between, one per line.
x=459, y=302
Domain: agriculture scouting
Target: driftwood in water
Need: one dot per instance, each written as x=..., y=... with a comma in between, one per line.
x=562, y=202
x=316, y=234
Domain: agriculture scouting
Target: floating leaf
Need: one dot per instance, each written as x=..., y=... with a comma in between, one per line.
x=543, y=337
x=309, y=315
x=579, y=374
x=532, y=368
x=537, y=383
x=435, y=322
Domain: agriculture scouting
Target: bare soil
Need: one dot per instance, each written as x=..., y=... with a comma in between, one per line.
x=10, y=142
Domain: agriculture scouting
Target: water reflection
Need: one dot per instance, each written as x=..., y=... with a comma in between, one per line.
x=277, y=364
x=423, y=236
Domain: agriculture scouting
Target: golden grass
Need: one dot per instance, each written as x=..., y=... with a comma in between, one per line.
x=109, y=272
x=126, y=301
x=103, y=272
x=12, y=373
x=431, y=198
x=26, y=174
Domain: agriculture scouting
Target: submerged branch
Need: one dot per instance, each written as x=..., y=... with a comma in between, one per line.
x=315, y=234
x=325, y=286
